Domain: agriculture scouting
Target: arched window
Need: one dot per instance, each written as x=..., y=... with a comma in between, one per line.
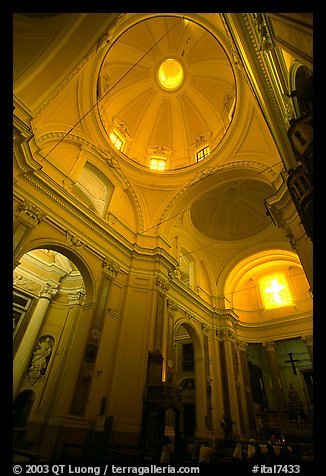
x=186, y=269
x=302, y=89
x=275, y=291
x=93, y=189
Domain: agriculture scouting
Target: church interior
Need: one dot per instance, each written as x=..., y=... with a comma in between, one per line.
x=162, y=232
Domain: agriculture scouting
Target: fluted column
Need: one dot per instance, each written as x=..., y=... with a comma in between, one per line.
x=275, y=373
x=27, y=344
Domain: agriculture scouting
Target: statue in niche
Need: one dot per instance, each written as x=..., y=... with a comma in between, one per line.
x=40, y=358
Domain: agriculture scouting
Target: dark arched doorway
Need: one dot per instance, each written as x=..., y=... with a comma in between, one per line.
x=21, y=410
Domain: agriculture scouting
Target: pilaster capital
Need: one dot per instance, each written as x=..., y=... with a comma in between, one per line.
x=172, y=307
x=30, y=214
x=76, y=297
x=221, y=334
x=205, y=328
x=173, y=273
x=162, y=285
x=226, y=334
x=110, y=268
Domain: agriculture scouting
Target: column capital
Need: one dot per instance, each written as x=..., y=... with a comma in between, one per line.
x=49, y=290
x=242, y=345
x=270, y=346
x=308, y=340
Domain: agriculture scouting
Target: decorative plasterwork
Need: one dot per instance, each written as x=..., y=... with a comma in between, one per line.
x=110, y=268
x=172, y=307
x=74, y=241
x=26, y=284
x=30, y=213
x=258, y=33
x=162, y=285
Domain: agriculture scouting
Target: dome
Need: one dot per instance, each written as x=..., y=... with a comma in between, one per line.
x=166, y=89
x=232, y=210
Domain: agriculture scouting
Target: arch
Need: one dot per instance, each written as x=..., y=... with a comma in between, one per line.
x=247, y=257
x=242, y=291
x=301, y=88
x=196, y=410
x=195, y=338
x=22, y=406
x=72, y=255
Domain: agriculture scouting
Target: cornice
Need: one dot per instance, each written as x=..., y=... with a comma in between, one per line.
x=252, y=47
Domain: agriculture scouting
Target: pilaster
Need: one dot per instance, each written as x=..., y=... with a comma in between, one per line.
x=275, y=373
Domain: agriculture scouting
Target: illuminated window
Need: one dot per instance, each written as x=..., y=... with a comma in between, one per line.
x=116, y=140
x=170, y=74
x=275, y=291
x=157, y=163
x=203, y=153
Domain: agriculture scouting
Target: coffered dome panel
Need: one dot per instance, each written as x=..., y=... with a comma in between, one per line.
x=170, y=86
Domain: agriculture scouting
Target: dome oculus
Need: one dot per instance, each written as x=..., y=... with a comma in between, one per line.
x=170, y=74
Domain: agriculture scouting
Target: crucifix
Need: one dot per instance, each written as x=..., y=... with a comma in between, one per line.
x=292, y=362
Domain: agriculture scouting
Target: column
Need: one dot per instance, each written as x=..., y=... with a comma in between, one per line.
x=27, y=344
x=160, y=343
x=308, y=340
x=209, y=414
x=163, y=287
x=274, y=368
x=224, y=373
x=246, y=386
x=172, y=308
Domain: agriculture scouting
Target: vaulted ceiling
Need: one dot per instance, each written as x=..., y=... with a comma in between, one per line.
x=173, y=122
x=89, y=73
